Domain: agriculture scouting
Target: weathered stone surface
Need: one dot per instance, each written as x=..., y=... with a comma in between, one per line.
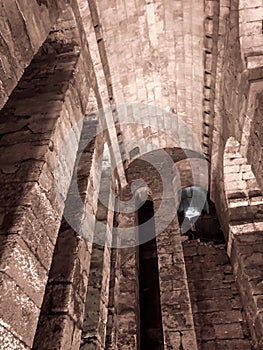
x=40, y=110
x=201, y=60
x=23, y=32
x=216, y=304
x=22, y=316
x=9, y=341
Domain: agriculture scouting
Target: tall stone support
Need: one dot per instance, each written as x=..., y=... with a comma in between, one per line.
x=127, y=322
x=63, y=307
x=97, y=298
x=177, y=318
x=62, y=310
x=111, y=329
x=48, y=100
x=92, y=27
x=96, y=314
x=246, y=258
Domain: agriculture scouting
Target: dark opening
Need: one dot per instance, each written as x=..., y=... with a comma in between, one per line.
x=151, y=332
x=197, y=216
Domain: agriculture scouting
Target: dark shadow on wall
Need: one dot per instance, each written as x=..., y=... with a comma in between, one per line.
x=42, y=2
x=151, y=332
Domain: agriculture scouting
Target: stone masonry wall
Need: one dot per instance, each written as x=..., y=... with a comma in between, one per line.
x=238, y=195
x=255, y=145
x=231, y=97
x=24, y=27
x=177, y=321
x=62, y=311
x=238, y=24
x=48, y=101
x=247, y=260
x=250, y=32
x=216, y=303
x=244, y=198
x=177, y=313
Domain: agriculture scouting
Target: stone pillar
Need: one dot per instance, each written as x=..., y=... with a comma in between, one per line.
x=32, y=122
x=128, y=287
x=62, y=310
x=97, y=298
x=177, y=317
x=50, y=98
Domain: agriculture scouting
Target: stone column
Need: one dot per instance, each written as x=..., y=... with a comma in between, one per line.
x=128, y=286
x=62, y=310
x=177, y=317
x=97, y=298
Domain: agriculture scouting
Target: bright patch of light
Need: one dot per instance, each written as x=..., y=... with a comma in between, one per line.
x=192, y=212
x=106, y=157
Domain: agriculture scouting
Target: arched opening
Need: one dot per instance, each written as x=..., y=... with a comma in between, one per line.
x=151, y=332
x=197, y=216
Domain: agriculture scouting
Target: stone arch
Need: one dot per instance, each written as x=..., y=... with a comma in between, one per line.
x=186, y=167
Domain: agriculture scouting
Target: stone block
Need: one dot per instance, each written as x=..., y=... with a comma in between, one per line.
x=23, y=316
x=253, y=13
x=244, y=4
x=9, y=341
x=177, y=321
x=60, y=333
x=229, y=331
x=234, y=344
x=18, y=262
